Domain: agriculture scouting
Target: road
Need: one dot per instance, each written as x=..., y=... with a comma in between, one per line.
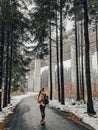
x=27, y=117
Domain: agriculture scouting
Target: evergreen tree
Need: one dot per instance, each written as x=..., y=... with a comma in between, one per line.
x=57, y=55
x=90, y=107
x=61, y=55
x=2, y=35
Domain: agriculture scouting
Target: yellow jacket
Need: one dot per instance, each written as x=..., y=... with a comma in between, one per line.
x=41, y=97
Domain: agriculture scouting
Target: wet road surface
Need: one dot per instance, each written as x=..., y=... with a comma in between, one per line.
x=27, y=117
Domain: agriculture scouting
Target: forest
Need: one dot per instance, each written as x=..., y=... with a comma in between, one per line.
x=28, y=36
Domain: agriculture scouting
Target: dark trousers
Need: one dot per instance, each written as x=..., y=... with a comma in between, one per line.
x=42, y=110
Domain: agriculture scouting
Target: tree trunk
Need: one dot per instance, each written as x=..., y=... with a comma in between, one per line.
x=96, y=26
x=79, y=60
x=10, y=69
x=50, y=63
x=5, y=96
x=77, y=76
x=57, y=54
x=61, y=57
x=82, y=73
x=90, y=107
x=1, y=60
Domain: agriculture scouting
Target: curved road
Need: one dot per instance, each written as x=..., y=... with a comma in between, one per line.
x=27, y=117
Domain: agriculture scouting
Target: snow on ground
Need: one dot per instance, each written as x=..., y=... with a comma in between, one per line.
x=78, y=108
x=14, y=101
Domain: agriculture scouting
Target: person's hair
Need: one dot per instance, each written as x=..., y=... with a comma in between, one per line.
x=42, y=89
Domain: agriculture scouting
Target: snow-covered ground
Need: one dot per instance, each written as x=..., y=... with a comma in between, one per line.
x=78, y=108
x=14, y=101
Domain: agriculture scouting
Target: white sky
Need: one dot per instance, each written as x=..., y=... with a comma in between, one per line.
x=79, y=109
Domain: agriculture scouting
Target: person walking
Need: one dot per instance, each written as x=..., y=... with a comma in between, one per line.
x=42, y=106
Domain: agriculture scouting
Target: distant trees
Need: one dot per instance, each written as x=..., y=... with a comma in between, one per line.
x=93, y=11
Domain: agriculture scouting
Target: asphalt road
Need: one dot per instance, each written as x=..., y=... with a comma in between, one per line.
x=27, y=117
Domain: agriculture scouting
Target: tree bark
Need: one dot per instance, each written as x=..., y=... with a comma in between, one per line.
x=1, y=61
x=57, y=54
x=96, y=26
x=5, y=96
x=79, y=62
x=90, y=107
x=10, y=70
x=77, y=76
x=50, y=63
x=82, y=73
x=61, y=57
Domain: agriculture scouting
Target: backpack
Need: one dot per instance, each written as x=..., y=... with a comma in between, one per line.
x=46, y=100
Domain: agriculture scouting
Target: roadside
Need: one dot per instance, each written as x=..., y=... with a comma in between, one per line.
x=78, y=110
x=74, y=118
x=15, y=100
